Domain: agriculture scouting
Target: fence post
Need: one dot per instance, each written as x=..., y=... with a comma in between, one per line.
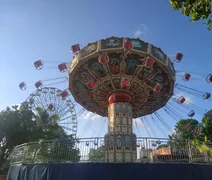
x=189, y=152
x=206, y=159
x=24, y=153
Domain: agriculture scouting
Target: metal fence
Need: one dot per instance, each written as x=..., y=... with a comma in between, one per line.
x=152, y=150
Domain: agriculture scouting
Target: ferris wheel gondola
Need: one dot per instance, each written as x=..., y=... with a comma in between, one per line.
x=57, y=104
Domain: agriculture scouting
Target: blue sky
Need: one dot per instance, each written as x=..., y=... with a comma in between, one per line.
x=45, y=29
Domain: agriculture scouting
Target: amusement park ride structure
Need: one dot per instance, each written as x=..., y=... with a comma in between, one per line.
x=122, y=79
x=57, y=104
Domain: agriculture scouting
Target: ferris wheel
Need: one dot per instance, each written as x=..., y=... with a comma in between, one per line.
x=178, y=106
x=58, y=106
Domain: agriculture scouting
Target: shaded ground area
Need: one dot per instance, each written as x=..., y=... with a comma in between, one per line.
x=110, y=171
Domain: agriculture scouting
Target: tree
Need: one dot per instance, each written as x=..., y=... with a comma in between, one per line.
x=196, y=9
x=17, y=127
x=53, y=151
x=162, y=146
x=97, y=155
x=207, y=126
x=42, y=117
x=186, y=128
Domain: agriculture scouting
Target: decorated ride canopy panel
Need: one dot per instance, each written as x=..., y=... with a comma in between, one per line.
x=110, y=65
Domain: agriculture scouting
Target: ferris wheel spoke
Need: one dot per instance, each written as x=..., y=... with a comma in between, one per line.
x=50, y=100
x=66, y=123
x=64, y=111
x=66, y=128
x=65, y=118
x=81, y=112
x=44, y=100
x=39, y=101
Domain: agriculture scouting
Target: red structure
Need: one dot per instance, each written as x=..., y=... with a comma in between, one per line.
x=157, y=88
x=91, y=85
x=103, y=59
x=39, y=84
x=62, y=67
x=22, y=86
x=181, y=100
x=178, y=57
x=75, y=48
x=209, y=78
x=186, y=76
x=149, y=62
x=128, y=45
x=38, y=64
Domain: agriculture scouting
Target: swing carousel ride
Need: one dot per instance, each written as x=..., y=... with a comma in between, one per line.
x=125, y=79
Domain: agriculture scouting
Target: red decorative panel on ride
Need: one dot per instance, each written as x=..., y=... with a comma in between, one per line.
x=91, y=85
x=206, y=96
x=38, y=64
x=157, y=87
x=125, y=82
x=119, y=97
x=62, y=67
x=38, y=84
x=22, y=86
x=103, y=59
x=186, y=76
x=149, y=62
x=191, y=114
x=178, y=57
x=128, y=45
x=209, y=78
x=181, y=100
x=75, y=48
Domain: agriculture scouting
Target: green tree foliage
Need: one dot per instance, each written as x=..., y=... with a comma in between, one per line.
x=97, y=155
x=52, y=151
x=17, y=127
x=162, y=146
x=185, y=129
x=207, y=126
x=195, y=9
